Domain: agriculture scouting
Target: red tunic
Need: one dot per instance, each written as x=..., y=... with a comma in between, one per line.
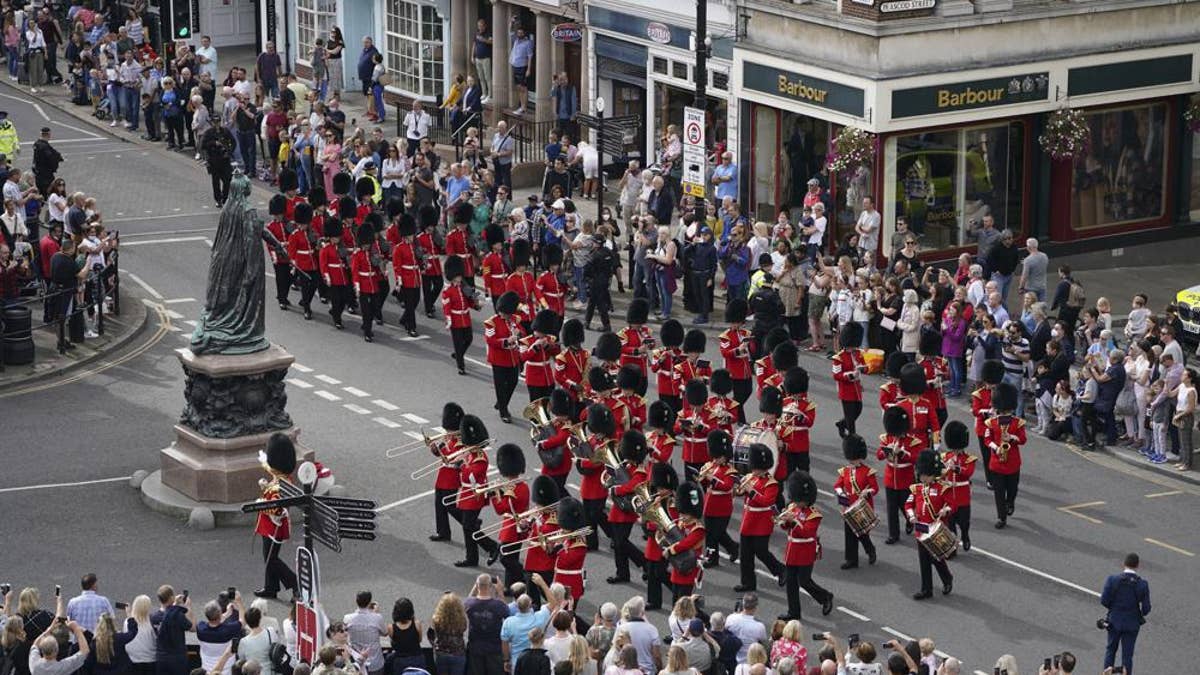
x=981, y=407
x=591, y=485
x=570, y=370
x=686, y=371
x=433, y=264
x=548, y=292
x=662, y=446
x=497, y=332
x=854, y=482
x=653, y=552
x=273, y=523
x=333, y=269
x=694, y=536
x=507, y=505
x=995, y=431
x=457, y=244
x=803, y=541
x=898, y=472
x=538, y=559
x=889, y=394
x=456, y=308
x=731, y=340
x=557, y=439
x=539, y=359
x=925, y=503
x=447, y=475
x=802, y=415
x=847, y=371
x=472, y=474
x=959, y=468
x=923, y=417
x=720, y=412
x=279, y=231
x=758, y=510
x=301, y=251
x=937, y=373
x=718, y=495
x=635, y=406
x=392, y=234
x=494, y=274
x=289, y=208
x=619, y=411
x=363, y=273
x=568, y=566
x=694, y=435
x=664, y=365
x=637, y=476
x=404, y=265
x=763, y=369
x=635, y=339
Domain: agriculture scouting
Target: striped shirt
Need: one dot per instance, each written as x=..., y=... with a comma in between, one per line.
x=1012, y=353
x=85, y=609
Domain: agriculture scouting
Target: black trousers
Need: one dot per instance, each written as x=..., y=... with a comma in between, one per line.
x=409, y=299
x=220, y=184
x=596, y=517
x=895, y=506
x=442, y=514
x=796, y=461
x=681, y=590
x=625, y=552
x=385, y=289
x=283, y=281
x=752, y=547
x=741, y=393
x=657, y=577
x=716, y=533
x=942, y=415
x=1004, y=489
x=339, y=297
x=278, y=573
x=538, y=392
x=470, y=525
x=599, y=300
x=852, y=541
x=927, y=561
x=368, y=309
x=561, y=481
x=308, y=287
x=850, y=412
x=461, y=337
x=431, y=288
x=986, y=454
x=960, y=524
x=504, y=380
x=800, y=576
x=514, y=571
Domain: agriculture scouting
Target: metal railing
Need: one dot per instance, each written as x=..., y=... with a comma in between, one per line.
x=529, y=136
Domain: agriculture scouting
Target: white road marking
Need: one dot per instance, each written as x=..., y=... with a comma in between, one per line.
x=328, y=396
x=415, y=435
x=439, y=429
x=852, y=613
x=413, y=498
x=60, y=141
x=893, y=631
x=209, y=242
x=386, y=422
x=355, y=392
x=356, y=409
x=171, y=240
x=176, y=301
x=192, y=322
x=328, y=380
x=299, y=383
x=145, y=286
x=414, y=339
x=173, y=314
x=301, y=368
x=415, y=419
x=68, y=126
x=47, y=486
x=165, y=215
x=477, y=362
x=385, y=405
x=1026, y=568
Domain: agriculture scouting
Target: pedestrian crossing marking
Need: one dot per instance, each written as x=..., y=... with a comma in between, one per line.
x=415, y=435
x=299, y=383
x=385, y=405
x=355, y=392
x=415, y=419
x=328, y=396
x=302, y=369
x=356, y=409
x=328, y=380
x=386, y=422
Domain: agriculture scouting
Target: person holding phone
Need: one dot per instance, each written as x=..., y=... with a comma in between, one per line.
x=1126, y=596
x=171, y=623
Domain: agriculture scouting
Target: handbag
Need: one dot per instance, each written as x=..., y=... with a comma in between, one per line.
x=385, y=79
x=1126, y=404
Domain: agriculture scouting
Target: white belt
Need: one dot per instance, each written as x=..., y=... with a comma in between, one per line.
x=365, y=274
x=303, y=252
x=460, y=311
x=335, y=265
x=720, y=492
x=551, y=295
x=498, y=276
x=800, y=540
x=574, y=573
x=964, y=483
x=693, y=439
x=759, y=509
x=536, y=363
x=900, y=466
x=408, y=267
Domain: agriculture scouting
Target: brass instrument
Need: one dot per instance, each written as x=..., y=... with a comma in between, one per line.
x=788, y=515
x=1005, y=445
x=709, y=469
x=434, y=443
x=481, y=490
x=433, y=467
x=527, y=514
x=642, y=500
x=543, y=541
x=723, y=414
x=668, y=533
x=744, y=484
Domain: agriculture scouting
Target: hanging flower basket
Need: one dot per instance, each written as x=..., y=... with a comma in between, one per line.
x=852, y=148
x=1191, y=115
x=1067, y=134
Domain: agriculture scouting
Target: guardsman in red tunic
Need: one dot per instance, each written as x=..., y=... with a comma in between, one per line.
x=692, y=427
x=637, y=342
x=802, y=521
x=602, y=429
x=458, y=242
x=572, y=363
x=503, y=335
x=472, y=491
x=855, y=481
x=548, y=291
x=719, y=478
x=554, y=449
x=320, y=206
x=432, y=249
x=457, y=303
x=1004, y=434
x=348, y=213
x=721, y=409
x=784, y=357
x=446, y=482
x=278, y=226
x=692, y=367
x=689, y=500
x=628, y=379
x=603, y=390
x=798, y=417
x=406, y=267
x=522, y=283
x=848, y=367
x=302, y=251
x=374, y=224
x=621, y=483
x=663, y=482
x=334, y=261
x=510, y=501
x=889, y=391
x=495, y=276
x=898, y=448
x=922, y=416
x=572, y=551
x=736, y=348
x=289, y=185
x=539, y=559
x=992, y=374
x=928, y=503
x=764, y=366
x=608, y=352
x=759, y=490
x=366, y=284
x=273, y=525
x=770, y=405
x=663, y=360
x=937, y=371
x=537, y=352
x=959, y=466
x=660, y=419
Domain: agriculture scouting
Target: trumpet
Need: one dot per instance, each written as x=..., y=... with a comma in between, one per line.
x=432, y=442
x=536, y=511
x=788, y=515
x=544, y=541
x=454, y=457
x=744, y=483
x=482, y=490
x=709, y=470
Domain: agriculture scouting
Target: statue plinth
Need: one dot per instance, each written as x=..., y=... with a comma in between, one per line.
x=233, y=404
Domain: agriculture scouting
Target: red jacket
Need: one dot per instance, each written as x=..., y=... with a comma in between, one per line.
x=568, y=566
x=538, y=559
x=889, y=394
x=558, y=439
x=758, y=510
x=720, y=412
x=998, y=430
x=472, y=474
x=803, y=540
x=334, y=270
x=852, y=481
x=548, y=292
x=694, y=537
x=802, y=414
x=276, y=227
x=664, y=365
x=695, y=438
x=302, y=251
x=362, y=212
x=718, y=495
x=686, y=371
x=433, y=264
x=494, y=274
x=507, y=505
x=763, y=369
x=925, y=503
x=539, y=360
x=847, y=371
x=447, y=475
x=570, y=370
x=731, y=341
x=662, y=446
x=637, y=476
x=363, y=272
x=635, y=407
x=923, y=416
x=289, y=207
x=898, y=472
x=653, y=552
x=960, y=466
x=937, y=373
x=522, y=284
x=981, y=407
x=405, y=266
x=456, y=308
x=634, y=339
x=458, y=244
x=591, y=485
x=498, y=330
x=274, y=523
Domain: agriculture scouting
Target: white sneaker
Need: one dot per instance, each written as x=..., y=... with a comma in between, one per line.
x=32, y=90
x=91, y=335
x=113, y=123
x=485, y=100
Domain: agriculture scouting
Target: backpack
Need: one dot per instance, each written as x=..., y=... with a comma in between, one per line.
x=281, y=661
x=1076, y=298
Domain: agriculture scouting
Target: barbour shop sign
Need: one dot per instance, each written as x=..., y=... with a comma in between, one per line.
x=971, y=95
x=803, y=88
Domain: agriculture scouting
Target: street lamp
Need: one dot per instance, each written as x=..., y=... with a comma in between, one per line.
x=600, y=154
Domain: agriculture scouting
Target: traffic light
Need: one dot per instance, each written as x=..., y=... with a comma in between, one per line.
x=181, y=19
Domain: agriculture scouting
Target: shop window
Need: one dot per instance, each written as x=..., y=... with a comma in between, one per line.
x=945, y=182
x=659, y=65
x=414, y=57
x=679, y=70
x=314, y=19
x=788, y=149
x=1194, y=201
x=720, y=80
x=1122, y=177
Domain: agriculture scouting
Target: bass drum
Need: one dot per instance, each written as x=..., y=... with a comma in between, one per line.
x=745, y=436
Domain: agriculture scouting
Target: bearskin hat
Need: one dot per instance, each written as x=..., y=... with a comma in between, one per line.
x=771, y=402
x=660, y=415
x=992, y=371
x=955, y=435
x=600, y=420
x=303, y=213
x=720, y=444
x=374, y=220
x=428, y=216
x=332, y=228
x=695, y=392
x=802, y=488
x=520, y=252
x=689, y=499
x=633, y=446
x=638, y=312
x=277, y=206
x=608, y=347
x=1004, y=398
x=629, y=376
x=544, y=491
x=671, y=333
x=281, y=453
x=365, y=235
x=784, y=356
x=795, y=381
x=695, y=341
x=598, y=379
x=452, y=416
x=854, y=447
x=663, y=477
x=560, y=402
x=551, y=255
x=407, y=227
x=891, y=367
x=546, y=322
x=347, y=208
x=453, y=267
x=288, y=180
x=721, y=382
x=775, y=337
x=572, y=333
x=851, y=335
x=736, y=310
x=510, y=460
x=463, y=214
x=364, y=187
x=493, y=234
x=896, y=421
x=473, y=431
x=761, y=457
x=394, y=207
x=507, y=302
x=912, y=380
x=570, y=514
x=317, y=197
x=929, y=463
x=342, y=182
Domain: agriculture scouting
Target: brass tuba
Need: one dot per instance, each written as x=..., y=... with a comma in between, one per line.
x=541, y=427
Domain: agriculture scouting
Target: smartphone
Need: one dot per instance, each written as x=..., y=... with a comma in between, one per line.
x=185, y=595
x=1118, y=670
x=232, y=592
x=57, y=590
x=1046, y=663
x=5, y=588
x=818, y=637
x=120, y=605
x=1056, y=661
x=852, y=640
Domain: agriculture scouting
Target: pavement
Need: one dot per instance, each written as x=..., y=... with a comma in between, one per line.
x=1030, y=589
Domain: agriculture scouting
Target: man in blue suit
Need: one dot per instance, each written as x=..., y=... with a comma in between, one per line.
x=1127, y=598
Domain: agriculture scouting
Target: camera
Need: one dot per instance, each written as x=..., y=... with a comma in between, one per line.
x=1103, y=624
x=120, y=605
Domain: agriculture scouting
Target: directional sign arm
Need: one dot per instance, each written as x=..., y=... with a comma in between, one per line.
x=254, y=507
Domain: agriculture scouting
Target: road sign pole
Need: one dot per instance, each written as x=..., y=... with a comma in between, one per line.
x=600, y=147
x=308, y=509
x=701, y=79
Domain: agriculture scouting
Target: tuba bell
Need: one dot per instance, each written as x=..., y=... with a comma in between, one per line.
x=541, y=427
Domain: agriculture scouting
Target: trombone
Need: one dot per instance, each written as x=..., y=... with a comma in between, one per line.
x=744, y=484
x=787, y=515
x=429, y=441
x=495, y=527
x=543, y=541
x=709, y=469
x=456, y=456
x=481, y=490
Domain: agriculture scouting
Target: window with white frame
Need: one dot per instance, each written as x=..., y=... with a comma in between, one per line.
x=314, y=18
x=414, y=49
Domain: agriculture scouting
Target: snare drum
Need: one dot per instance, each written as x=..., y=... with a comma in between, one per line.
x=939, y=541
x=743, y=437
x=860, y=517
